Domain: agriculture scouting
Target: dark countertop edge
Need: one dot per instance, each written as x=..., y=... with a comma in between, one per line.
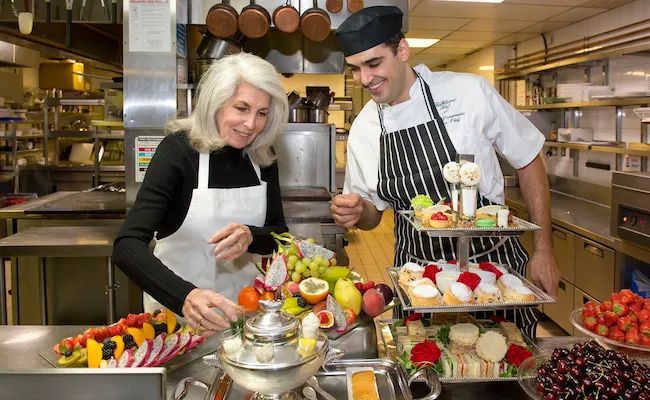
x=612, y=242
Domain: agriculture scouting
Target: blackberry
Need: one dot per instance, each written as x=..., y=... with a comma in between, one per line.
x=107, y=353
x=302, y=302
x=160, y=328
x=110, y=344
x=68, y=353
x=297, y=294
x=128, y=340
x=177, y=327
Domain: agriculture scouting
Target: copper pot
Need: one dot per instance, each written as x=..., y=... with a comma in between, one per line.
x=222, y=20
x=355, y=5
x=286, y=18
x=315, y=24
x=254, y=21
x=334, y=6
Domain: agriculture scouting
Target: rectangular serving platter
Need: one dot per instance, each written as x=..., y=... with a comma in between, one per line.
x=387, y=341
x=517, y=227
x=540, y=298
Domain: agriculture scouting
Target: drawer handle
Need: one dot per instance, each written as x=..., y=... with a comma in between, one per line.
x=593, y=250
x=562, y=286
x=559, y=234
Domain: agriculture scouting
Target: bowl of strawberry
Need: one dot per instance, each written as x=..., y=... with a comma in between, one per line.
x=622, y=321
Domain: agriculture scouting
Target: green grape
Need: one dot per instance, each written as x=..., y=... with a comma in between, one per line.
x=300, y=268
x=333, y=262
x=325, y=263
x=295, y=276
x=321, y=269
x=306, y=273
x=315, y=274
x=294, y=249
x=311, y=240
x=318, y=258
x=290, y=266
x=306, y=261
x=314, y=266
x=292, y=259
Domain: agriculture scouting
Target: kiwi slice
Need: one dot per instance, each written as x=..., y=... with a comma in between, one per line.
x=70, y=361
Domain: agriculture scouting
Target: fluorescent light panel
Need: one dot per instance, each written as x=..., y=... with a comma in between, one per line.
x=486, y=68
x=421, y=42
x=475, y=1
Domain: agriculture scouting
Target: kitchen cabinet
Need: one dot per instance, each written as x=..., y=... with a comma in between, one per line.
x=595, y=267
x=560, y=311
x=563, y=247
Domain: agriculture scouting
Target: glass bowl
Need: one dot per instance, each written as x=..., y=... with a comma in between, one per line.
x=527, y=374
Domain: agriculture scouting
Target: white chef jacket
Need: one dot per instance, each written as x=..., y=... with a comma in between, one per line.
x=478, y=120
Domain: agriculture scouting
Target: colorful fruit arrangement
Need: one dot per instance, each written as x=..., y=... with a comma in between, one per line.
x=624, y=318
x=139, y=340
x=588, y=371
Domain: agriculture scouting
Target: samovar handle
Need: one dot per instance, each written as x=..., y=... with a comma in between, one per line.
x=432, y=381
x=185, y=384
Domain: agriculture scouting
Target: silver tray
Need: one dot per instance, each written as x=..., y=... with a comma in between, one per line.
x=390, y=349
x=541, y=298
x=518, y=227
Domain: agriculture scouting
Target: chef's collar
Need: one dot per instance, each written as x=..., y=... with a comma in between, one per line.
x=413, y=91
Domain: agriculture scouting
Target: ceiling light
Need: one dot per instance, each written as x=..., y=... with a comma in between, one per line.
x=486, y=68
x=476, y=1
x=421, y=42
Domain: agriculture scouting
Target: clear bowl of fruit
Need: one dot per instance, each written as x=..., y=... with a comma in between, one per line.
x=584, y=371
x=628, y=340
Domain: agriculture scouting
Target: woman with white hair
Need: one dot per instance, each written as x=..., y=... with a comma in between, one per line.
x=210, y=196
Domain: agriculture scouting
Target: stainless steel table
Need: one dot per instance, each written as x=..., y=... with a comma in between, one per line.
x=63, y=241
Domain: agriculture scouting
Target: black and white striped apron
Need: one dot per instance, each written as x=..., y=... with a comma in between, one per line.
x=411, y=162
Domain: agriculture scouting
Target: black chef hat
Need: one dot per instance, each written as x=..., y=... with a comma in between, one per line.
x=368, y=28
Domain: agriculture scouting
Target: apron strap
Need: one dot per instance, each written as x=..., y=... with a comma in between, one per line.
x=204, y=170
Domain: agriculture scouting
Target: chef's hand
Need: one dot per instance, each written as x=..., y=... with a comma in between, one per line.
x=199, y=313
x=544, y=271
x=347, y=209
x=232, y=241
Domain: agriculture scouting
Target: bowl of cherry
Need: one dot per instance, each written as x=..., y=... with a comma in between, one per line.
x=584, y=371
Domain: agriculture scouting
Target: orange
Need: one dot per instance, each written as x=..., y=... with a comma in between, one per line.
x=270, y=295
x=249, y=298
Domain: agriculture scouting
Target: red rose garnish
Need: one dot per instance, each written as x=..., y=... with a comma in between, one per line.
x=412, y=317
x=425, y=353
x=487, y=266
x=470, y=279
x=517, y=354
x=430, y=272
x=497, y=319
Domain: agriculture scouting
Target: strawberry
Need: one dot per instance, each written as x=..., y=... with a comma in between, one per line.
x=643, y=315
x=646, y=304
x=114, y=330
x=632, y=336
x=359, y=286
x=600, y=319
x=645, y=341
x=66, y=345
x=616, y=297
x=80, y=341
x=590, y=323
x=368, y=285
x=637, y=304
x=624, y=323
x=644, y=328
x=131, y=320
x=590, y=305
x=633, y=317
x=620, y=309
x=602, y=330
x=605, y=306
x=610, y=318
x=616, y=334
x=588, y=312
x=627, y=296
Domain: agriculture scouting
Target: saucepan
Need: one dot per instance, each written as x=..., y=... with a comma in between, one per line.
x=222, y=19
x=254, y=21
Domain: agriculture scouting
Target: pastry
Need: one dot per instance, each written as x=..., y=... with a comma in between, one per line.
x=491, y=346
x=486, y=276
x=508, y=281
x=518, y=293
x=457, y=294
x=424, y=296
x=485, y=223
x=463, y=334
x=439, y=220
x=419, y=203
x=364, y=386
x=470, y=279
x=470, y=174
x=415, y=330
x=422, y=281
x=451, y=172
x=487, y=293
x=512, y=333
x=444, y=279
x=410, y=272
x=501, y=269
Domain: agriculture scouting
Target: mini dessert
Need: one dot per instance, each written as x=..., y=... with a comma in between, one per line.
x=489, y=211
x=470, y=279
x=488, y=266
x=485, y=223
x=501, y=269
x=519, y=294
x=513, y=335
x=415, y=330
x=487, y=293
x=504, y=217
x=486, y=276
x=491, y=346
x=457, y=294
x=420, y=202
x=424, y=296
x=410, y=272
x=444, y=279
x=430, y=272
x=439, y=220
x=422, y=281
x=364, y=386
x=463, y=334
x=451, y=172
x=508, y=281
x=470, y=174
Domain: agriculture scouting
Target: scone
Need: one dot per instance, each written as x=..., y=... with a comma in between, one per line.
x=444, y=279
x=410, y=272
x=508, y=281
x=457, y=294
x=491, y=346
x=418, y=282
x=463, y=334
x=519, y=294
x=424, y=296
x=486, y=276
x=487, y=293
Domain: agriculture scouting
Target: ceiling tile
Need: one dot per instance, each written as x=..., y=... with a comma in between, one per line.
x=436, y=23
x=609, y=4
x=500, y=25
x=421, y=33
x=462, y=44
x=516, y=37
x=544, y=27
x=469, y=35
x=577, y=14
x=521, y=12
x=547, y=2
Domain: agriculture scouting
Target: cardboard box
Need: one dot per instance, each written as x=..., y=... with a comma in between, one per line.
x=64, y=76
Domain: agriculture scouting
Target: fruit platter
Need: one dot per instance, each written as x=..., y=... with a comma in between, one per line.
x=584, y=371
x=306, y=277
x=622, y=322
x=139, y=340
x=444, y=286
x=459, y=348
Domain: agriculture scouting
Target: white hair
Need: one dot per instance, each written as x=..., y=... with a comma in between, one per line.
x=218, y=84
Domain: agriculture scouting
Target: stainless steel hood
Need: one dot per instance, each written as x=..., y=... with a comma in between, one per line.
x=17, y=56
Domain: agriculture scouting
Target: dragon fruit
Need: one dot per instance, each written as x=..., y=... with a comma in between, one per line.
x=183, y=341
x=126, y=359
x=196, y=340
x=340, y=318
x=311, y=250
x=156, y=348
x=171, y=344
x=112, y=363
x=277, y=273
x=141, y=355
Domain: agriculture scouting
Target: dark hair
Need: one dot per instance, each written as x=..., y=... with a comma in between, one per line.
x=393, y=41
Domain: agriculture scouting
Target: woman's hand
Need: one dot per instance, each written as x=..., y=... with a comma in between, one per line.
x=198, y=312
x=232, y=241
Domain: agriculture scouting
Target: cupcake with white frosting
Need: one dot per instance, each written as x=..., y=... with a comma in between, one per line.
x=487, y=293
x=424, y=296
x=519, y=294
x=410, y=272
x=457, y=294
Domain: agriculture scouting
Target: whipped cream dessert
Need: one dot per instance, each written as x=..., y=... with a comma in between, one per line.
x=470, y=174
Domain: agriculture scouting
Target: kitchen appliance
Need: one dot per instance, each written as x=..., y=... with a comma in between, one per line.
x=630, y=216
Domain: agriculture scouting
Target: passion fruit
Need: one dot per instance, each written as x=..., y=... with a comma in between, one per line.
x=326, y=319
x=314, y=290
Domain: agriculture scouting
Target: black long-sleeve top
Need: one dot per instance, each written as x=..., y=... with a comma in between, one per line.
x=162, y=204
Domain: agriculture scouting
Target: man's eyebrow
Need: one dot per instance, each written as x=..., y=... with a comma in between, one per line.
x=369, y=61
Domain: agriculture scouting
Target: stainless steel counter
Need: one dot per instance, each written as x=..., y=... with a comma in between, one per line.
x=77, y=205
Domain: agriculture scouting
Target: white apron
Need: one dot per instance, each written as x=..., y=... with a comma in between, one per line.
x=187, y=252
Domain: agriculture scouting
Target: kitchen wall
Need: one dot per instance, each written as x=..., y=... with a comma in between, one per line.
x=483, y=62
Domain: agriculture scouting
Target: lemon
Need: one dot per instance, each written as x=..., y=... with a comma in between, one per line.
x=306, y=346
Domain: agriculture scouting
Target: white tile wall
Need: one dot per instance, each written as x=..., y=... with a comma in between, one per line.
x=593, y=175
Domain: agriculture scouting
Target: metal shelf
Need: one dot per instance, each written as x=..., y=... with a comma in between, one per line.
x=70, y=134
x=20, y=151
x=107, y=123
x=34, y=136
x=628, y=101
x=635, y=149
